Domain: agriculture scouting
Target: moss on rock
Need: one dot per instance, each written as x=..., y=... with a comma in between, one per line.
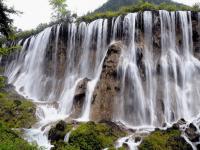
x=165, y=140
x=87, y=136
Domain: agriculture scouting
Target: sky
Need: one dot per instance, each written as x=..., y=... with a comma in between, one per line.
x=39, y=11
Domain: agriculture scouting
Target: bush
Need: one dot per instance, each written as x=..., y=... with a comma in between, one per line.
x=10, y=140
x=2, y=83
x=7, y=50
x=164, y=140
x=15, y=111
x=87, y=136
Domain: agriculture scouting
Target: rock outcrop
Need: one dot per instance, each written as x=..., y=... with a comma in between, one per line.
x=79, y=98
x=108, y=86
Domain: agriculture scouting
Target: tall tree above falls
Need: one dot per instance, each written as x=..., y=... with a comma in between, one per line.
x=113, y=5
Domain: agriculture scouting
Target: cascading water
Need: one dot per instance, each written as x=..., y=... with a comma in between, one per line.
x=31, y=63
x=101, y=47
x=158, y=72
x=178, y=71
x=132, y=92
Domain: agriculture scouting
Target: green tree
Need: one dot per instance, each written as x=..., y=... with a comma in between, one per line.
x=5, y=20
x=60, y=9
x=196, y=6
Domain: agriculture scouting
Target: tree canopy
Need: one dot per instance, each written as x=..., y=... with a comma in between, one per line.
x=59, y=9
x=5, y=20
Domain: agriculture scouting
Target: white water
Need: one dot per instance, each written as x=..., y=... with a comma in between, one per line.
x=177, y=86
x=147, y=98
x=27, y=73
x=129, y=141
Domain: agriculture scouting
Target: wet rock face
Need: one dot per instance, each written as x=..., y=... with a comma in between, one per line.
x=108, y=86
x=196, y=35
x=57, y=133
x=191, y=133
x=81, y=89
x=79, y=97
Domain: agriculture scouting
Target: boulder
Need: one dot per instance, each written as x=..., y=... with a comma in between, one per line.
x=179, y=123
x=198, y=146
x=191, y=133
x=57, y=133
x=79, y=97
x=81, y=89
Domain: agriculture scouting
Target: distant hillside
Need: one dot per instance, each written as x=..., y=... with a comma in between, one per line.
x=113, y=5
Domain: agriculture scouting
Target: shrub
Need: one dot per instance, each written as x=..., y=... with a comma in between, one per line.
x=164, y=140
x=10, y=140
x=89, y=136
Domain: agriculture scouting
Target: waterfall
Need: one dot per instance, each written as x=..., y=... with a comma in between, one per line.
x=132, y=90
x=158, y=70
x=150, y=66
x=53, y=93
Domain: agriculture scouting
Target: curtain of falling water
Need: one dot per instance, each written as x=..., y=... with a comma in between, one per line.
x=84, y=59
x=132, y=91
x=163, y=96
x=150, y=66
x=166, y=96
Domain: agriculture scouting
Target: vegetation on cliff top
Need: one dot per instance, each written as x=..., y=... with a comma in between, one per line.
x=141, y=6
x=62, y=15
x=114, y=5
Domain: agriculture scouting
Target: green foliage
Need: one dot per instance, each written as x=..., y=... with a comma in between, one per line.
x=60, y=9
x=115, y=5
x=2, y=83
x=196, y=6
x=4, y=51
x=90, y=136
x=141, y=6
x=10, y=140
x=164, y=140
x=25, y=34
x=15, y=112
x=6, y=21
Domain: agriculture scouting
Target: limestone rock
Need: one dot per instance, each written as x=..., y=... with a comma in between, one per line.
x=57, y=133
x=107, y=87
x=192, y=134
x=79, y=97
